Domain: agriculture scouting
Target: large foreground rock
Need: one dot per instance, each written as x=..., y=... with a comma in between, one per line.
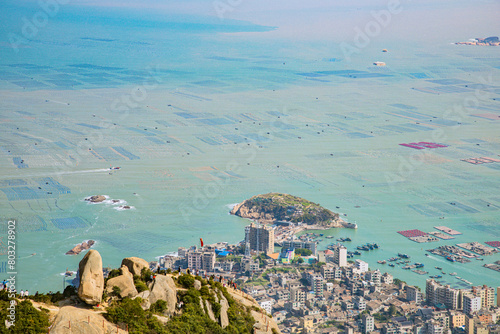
x=91, y=278
x=135, y=265
x=163, y=287
x=81, y=321
x=125, y=282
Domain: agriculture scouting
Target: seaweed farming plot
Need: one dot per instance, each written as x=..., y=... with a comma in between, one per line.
x=417, y=236
x=214, y=121
x=138, y=242
x=69, y=223
x=481, y=160
x=442, y=209
x=22, y=190
x=13, y=183
x=447, y=82
x=449, y=89
x=114, y=153
x=423, y=145
x=26, y=224
x=495, y=244
x=19, y=162
x=489, y=116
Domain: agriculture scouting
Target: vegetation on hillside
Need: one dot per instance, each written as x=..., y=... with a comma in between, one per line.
x=28, y=318
x=192, y=318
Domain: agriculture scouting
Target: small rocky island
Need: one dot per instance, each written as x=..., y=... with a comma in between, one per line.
x=80, y=247
x=274, y=207
x=96, y=199
x=490, y=41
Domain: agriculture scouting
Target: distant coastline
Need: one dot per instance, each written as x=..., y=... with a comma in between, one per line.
x=488, y=41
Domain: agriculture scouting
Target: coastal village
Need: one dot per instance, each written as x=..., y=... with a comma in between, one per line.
x=307, y=290
x=283, y=281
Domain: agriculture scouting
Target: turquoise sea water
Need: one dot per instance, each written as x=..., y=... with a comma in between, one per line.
x=200, y=113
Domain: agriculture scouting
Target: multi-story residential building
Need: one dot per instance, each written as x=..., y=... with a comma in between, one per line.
x=267, y=305
x=340, y=255
x=282, y=294
x=311, y=245
x=438, y=294
x=331, y=272
x=249, y=264
x=457, y=319
x=227, y=265
x=486, y=294
x=434, y=327
x=413, y=294
x=359, y=303
x=373, y=276
x=452, y=298
x=387, y=278
x=317, y=283
x=361, y=265
x=195, y=260
x=298, y=295
x=368, y=323
x=442, y=318
x=182, y=251
x=472, y=304
x=260, y=238
x=208, y=261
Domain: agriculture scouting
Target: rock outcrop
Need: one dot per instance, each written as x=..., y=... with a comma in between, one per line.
x=144, y=295
x=91, y=278
x=125, y=283
x=223, y=318
x=96, y=199
x=197, y=284
x=81, y=247
x=264, y=324
x=135, y=265
x=163, y=288
x=245, y=211
x=82, y=321
x=210, y=312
